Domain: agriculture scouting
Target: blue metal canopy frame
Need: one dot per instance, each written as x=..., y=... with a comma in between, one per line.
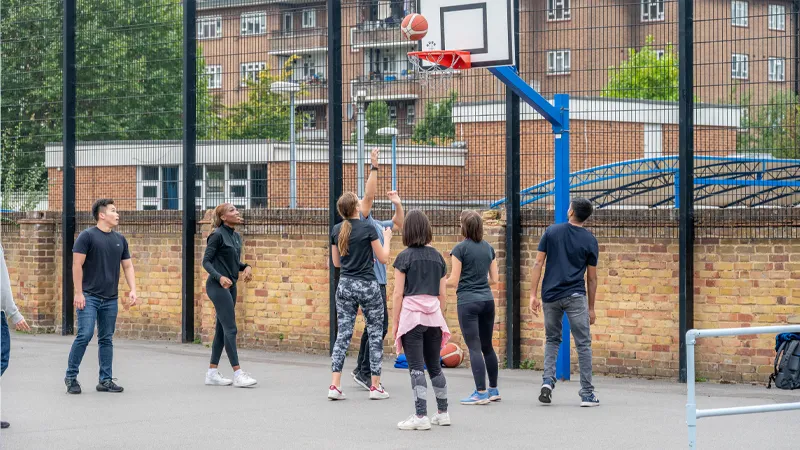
x=762, y=182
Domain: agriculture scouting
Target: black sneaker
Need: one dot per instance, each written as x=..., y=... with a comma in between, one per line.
x=73, y=387
x=545, y=396
x=364, y=383
x=4, y=424
x=108, y=386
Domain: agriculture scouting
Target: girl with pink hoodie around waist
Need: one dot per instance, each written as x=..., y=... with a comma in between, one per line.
x=419, y=326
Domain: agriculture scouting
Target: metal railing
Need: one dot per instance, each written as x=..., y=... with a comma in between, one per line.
x=692, y=413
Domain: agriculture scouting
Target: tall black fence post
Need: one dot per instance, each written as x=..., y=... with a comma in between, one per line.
x=685, y=198
x=334, y=141
x=68, y=184
x=513, y=219
x=796, y=44
x=189, y=161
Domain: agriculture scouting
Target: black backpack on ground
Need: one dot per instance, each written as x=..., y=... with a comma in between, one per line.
x=787, y=363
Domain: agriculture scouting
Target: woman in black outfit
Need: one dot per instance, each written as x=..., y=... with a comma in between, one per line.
x=222, y=261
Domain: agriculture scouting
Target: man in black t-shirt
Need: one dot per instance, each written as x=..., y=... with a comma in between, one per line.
x=97, y=255
x=571, y=252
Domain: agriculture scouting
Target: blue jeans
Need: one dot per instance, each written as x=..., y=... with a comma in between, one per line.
x=6, y=344
x=102, y=312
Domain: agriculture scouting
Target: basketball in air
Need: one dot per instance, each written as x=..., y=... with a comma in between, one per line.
x=452, y=356
x=414, y=27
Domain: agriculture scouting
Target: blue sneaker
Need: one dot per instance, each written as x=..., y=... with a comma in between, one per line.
x=494, y=395
x=589, y=400
x=476, y=399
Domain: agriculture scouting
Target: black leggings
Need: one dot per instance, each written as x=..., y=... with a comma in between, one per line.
x=224, y=301
x=422, y=346
x=477, y=324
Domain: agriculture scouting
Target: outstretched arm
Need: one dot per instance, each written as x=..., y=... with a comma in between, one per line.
x=399, y=213
x=371, y=188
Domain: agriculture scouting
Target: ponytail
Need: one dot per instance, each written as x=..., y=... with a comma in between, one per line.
x=344, y=237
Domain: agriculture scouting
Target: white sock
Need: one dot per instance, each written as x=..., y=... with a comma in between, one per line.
x=237, y=373
x=212, y=371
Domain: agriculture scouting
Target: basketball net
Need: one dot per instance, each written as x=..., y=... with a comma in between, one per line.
x=436, y=66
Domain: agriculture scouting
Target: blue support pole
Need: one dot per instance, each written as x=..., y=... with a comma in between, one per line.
x=394, y=165
x=562, y=200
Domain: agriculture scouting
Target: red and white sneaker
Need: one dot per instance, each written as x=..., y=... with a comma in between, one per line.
x=335, y=393
x=378, y=393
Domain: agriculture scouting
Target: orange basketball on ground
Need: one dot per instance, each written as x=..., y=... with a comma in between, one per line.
x=452, y=356
x=414, y=27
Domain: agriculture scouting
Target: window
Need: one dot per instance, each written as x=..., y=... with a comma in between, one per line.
x=659, y=54
x=214, y=186
x=158, y=188
x=209, y=27
x=652, y=10
x=254, y=23
x=214, y=77
x=309, y=66
x=250, y=71
x=739, y=66
x=411, y=114
x=309, y=18
x=777, y=17
x=739, y=13
x=558, y=62
x=558, y=10
x=393, y=114
x=777, y=69
x=310, y=120
x=288, y=22
x=244, y=185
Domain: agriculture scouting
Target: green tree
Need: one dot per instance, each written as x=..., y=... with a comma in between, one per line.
x=129, y=67
x=645, y=75
x=377, y=116
x=265, y=114
x=437, y=127
x=772, y=127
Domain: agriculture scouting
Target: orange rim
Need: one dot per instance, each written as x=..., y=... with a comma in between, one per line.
x=452, y=59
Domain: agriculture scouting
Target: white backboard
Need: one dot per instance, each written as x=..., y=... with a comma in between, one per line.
x=484, y=28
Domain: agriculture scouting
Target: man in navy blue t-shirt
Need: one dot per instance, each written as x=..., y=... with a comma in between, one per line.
x=569, y=252
x=96, y=258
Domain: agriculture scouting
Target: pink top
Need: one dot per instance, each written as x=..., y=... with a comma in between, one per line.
x=420, y=310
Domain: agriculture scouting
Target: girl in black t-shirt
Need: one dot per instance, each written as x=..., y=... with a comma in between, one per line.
x=474, y=269
x=353, y=243
x=419, y=325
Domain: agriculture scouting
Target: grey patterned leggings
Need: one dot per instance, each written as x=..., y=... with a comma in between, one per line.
x=349, y=295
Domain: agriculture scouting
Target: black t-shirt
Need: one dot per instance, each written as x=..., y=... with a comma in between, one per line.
x=475, y=257
x=424, y=268
x=104, y=253
x=359, y=260
x=570, y=249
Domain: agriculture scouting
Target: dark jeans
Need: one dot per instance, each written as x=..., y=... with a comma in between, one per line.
x=6, y=344
x=422, y=345
x=103, y=313
x=224, y=301
x=477, y=324
x=362, y=362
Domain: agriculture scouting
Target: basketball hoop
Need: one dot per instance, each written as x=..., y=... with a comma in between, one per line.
x=443, y=64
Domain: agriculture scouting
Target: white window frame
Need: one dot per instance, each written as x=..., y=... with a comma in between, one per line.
x=258, y=19
x=740, y=66
x=558, y=10
x=239, y=202
x=309, y=18
x=393, y=113
x=310, y=119
x=777, y=17
x=216, y=22
x=158, y=200
x=740, y=11
x=411, y=114
x=648, y=7
x=227, y=196
x=213, y=74
x=659, y=54
x=552, y=62
x=250, y=71
x=777, y=69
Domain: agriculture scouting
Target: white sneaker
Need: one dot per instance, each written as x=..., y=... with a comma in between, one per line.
x=415, y=423
x=378, y=393
x=243, y=379
x=441, y=419
x=216, y=379
x=335, y=393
